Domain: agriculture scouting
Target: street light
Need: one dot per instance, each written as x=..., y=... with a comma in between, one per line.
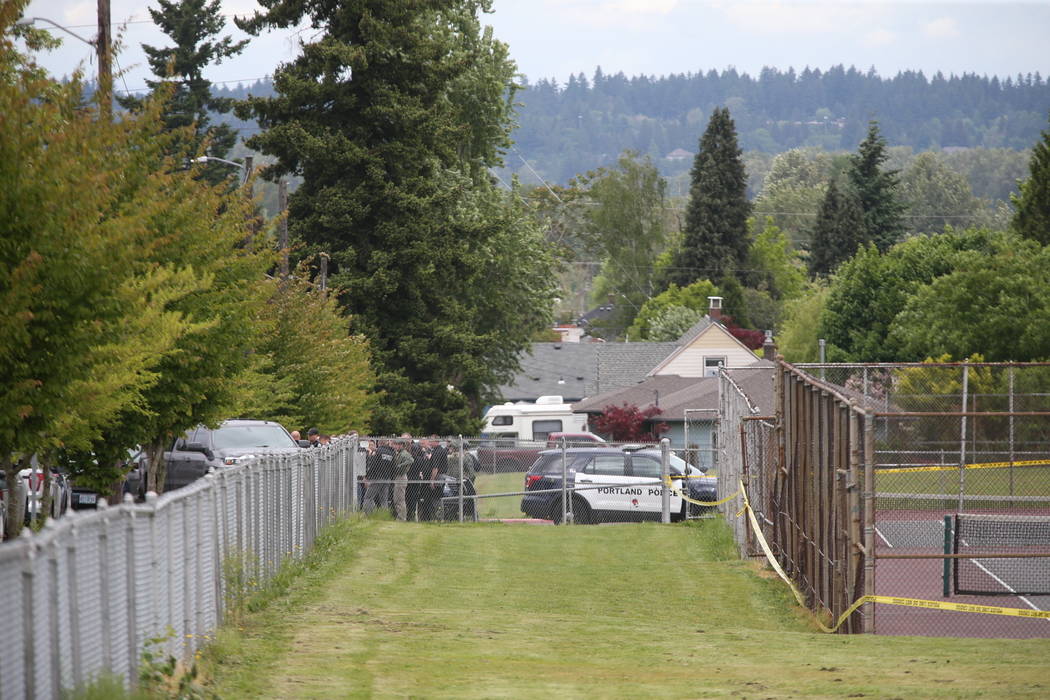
x=26, y=21
x=101, y=44
x=246, y=166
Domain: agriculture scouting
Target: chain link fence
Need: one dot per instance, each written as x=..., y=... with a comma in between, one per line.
x=559, y=480
x=84, y=595
x=922, y=490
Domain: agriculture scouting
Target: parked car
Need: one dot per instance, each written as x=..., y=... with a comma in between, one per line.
x=203, y=448
x=450, y=500
x=498, y=455
x=612, y=484
x=31, y=488
x=136, y=473
x=583, y=439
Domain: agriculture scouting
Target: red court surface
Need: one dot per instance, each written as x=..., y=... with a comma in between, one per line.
x=922, y=532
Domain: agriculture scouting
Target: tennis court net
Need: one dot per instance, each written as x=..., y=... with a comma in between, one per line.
x=1011, y=554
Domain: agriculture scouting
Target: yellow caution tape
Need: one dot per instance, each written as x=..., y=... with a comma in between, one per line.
x=955, y=467
x=958, y=607
x=888, y=600
x=708, y=504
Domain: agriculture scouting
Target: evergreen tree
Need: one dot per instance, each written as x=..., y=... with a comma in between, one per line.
x=194, y=26
x=393, y=115
x=716, y=237
x=876, y=191
x=837, y=233
x=1032, y=207
x=733, y=303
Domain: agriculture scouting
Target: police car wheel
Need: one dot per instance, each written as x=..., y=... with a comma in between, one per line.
x=581, y=512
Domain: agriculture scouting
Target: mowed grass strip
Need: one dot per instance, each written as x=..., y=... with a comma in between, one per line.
x=500, y=506
x=509, y=611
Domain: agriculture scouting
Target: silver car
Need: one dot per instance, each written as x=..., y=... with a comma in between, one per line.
x=203, y=448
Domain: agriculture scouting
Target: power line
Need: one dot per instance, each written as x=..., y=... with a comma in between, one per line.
x=538, y=176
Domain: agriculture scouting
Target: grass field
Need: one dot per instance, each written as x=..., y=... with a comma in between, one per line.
x=504, y=506
x=1019, y=481
x=506, y=611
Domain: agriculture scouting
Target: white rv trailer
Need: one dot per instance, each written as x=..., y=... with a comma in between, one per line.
x=533, y=421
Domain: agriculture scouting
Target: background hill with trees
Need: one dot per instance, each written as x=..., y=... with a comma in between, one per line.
x=982, y=124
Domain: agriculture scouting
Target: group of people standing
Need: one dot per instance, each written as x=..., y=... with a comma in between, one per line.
x=315, y=436
x=406, y=475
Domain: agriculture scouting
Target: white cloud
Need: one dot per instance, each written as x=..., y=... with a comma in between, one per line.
x=941, y=28
x=640, y=7
x=609, y=13
x=782, y=18
x=879, y=37
x=83, y=12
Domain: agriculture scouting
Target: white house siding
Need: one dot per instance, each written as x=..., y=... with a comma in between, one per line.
x=701, y=434
x=713, y=342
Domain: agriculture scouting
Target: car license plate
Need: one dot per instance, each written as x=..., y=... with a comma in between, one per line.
x=87, y=499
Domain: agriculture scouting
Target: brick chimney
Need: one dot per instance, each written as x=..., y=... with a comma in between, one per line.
x=769, y=348
x=714, y=308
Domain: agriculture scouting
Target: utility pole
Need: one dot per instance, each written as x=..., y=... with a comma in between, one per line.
x=253, y=221
x=282, y=230
x=323, y=277
x=103, y=47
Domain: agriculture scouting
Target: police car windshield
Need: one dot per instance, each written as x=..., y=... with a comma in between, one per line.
x=679, y=464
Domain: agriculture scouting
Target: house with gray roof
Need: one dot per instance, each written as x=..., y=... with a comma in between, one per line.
x=688, y=405
x=580, y=371
x=562, y=369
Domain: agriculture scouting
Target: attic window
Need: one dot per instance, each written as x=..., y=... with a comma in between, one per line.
x=711, y=365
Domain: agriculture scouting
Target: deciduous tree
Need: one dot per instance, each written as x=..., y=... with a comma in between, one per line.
x=995, y=303
x=774, y=265
x=89, y=315
x=870, y=290
x=312, y=371
x=693, y=296
x=627, y=423
x=628, y=229
x=937, y=196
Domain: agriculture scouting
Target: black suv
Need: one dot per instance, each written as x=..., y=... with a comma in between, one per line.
x=612, y=484
x=202, y=448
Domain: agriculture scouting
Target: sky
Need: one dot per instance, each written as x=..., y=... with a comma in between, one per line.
x=554, y=39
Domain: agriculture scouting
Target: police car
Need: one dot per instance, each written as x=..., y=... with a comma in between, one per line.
x=611, y=484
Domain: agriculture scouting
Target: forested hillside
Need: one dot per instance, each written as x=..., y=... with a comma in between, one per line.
x=568, y=129
x=589, y=122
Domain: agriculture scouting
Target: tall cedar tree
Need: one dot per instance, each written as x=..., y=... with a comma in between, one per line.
x=393, y=114
x=837, y=232
x=876, y=191
x=1032, y=208
x=194, y=26
x=716, y=237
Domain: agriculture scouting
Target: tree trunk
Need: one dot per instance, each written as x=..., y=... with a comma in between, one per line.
x=116, y=489
x=157, y=467
x=44, y=512
x=15, y=501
